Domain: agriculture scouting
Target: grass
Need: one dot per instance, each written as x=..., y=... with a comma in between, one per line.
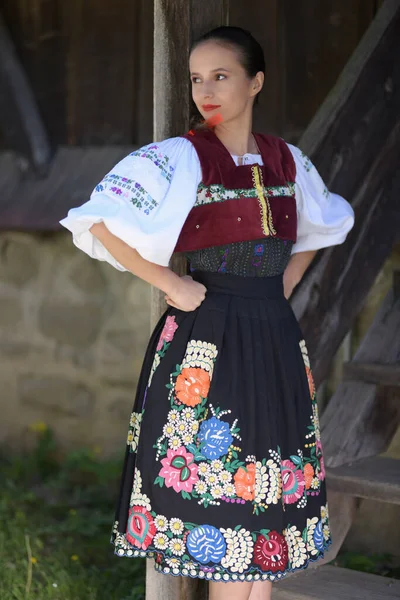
x=378, y=563
x=56, y=521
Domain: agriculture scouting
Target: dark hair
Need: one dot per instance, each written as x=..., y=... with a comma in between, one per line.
x=250, y=53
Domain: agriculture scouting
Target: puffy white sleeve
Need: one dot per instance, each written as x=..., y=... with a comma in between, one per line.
x=144, y=200
x=323, y=218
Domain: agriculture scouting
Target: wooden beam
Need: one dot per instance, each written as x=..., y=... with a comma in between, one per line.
x=360, y=419
x=337, y=583
x=375, y=478
x=380, y=374
x=175, y=25
x=354, y=140
x=19, y=116
x=31, y=204
x=354, y=72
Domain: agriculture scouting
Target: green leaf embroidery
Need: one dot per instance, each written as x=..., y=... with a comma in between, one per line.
x=178, y=462
x=185, y=474
x=295, y=459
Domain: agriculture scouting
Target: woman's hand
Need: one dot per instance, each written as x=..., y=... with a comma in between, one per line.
x=187, y=294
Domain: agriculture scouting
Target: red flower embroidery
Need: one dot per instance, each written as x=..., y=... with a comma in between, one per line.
x=271, y=554
x=293, y=482
x=140, y=529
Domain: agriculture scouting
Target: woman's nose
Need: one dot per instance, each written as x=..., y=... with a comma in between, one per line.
x=207, y=90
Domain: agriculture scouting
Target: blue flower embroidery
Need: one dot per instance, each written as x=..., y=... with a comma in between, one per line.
x=318, y=536
x=206, y=544
x=216, y=436
x=258, y=252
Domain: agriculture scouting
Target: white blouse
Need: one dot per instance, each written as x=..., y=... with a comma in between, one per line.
x=145, y=200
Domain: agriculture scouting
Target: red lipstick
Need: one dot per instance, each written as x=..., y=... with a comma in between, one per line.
x=208, y=107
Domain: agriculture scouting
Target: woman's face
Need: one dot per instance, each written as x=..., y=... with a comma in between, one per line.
x=219, y=79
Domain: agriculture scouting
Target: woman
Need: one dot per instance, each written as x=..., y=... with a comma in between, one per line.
x=223, y=476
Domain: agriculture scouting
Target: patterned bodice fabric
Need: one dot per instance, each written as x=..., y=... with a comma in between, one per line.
x=254, y=258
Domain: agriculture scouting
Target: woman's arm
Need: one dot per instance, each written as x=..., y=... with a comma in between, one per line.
x=157, y=275
x=295, y=270
x=181, y=292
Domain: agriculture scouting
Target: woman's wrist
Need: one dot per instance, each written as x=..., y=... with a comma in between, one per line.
x=169, y=281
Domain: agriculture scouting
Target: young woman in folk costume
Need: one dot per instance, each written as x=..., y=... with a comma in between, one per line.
x=224, y=476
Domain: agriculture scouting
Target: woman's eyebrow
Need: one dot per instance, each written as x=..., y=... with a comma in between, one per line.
x=213, y=70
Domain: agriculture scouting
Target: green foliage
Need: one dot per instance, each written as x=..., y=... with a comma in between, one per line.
x=378, y=563
x=56, y=514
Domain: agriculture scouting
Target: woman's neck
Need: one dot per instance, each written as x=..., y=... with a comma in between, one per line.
x=237, y=142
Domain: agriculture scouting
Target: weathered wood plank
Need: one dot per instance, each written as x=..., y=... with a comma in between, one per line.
x=372, y=372
x=375, y=478
x=38, y=204
x=354, y=139
x=360, y=419
x=333, y=291
x=307, y=80
x=41, y=42
x=335, y=583
x=371, y=53
x=102, y=70
x=20, y=120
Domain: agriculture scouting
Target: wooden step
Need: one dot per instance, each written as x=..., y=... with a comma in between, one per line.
x=376, y=478
x=335, y=583
x=369, y=372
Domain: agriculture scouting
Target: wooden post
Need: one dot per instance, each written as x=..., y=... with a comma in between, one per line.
x=176, y=23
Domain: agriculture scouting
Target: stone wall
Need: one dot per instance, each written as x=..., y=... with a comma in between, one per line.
x=73, y=332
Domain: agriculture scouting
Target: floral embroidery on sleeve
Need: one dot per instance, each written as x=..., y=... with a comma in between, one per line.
x=158, y=158
x=307, y=164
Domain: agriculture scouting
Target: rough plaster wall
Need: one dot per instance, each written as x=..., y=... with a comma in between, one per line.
x=73, y=332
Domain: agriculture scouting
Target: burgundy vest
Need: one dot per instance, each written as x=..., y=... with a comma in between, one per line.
x=240, y=203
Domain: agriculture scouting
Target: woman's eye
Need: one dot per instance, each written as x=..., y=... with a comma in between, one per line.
x=217, y=75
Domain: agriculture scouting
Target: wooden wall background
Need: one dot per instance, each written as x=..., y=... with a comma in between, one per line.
x=90, y=62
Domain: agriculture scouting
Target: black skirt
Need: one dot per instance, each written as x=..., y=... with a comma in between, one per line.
x=224, y=476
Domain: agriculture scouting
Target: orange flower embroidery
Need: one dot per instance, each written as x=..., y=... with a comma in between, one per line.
x=310, y=381
x=192, y=385
x=245, y=482
x=308, y=474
